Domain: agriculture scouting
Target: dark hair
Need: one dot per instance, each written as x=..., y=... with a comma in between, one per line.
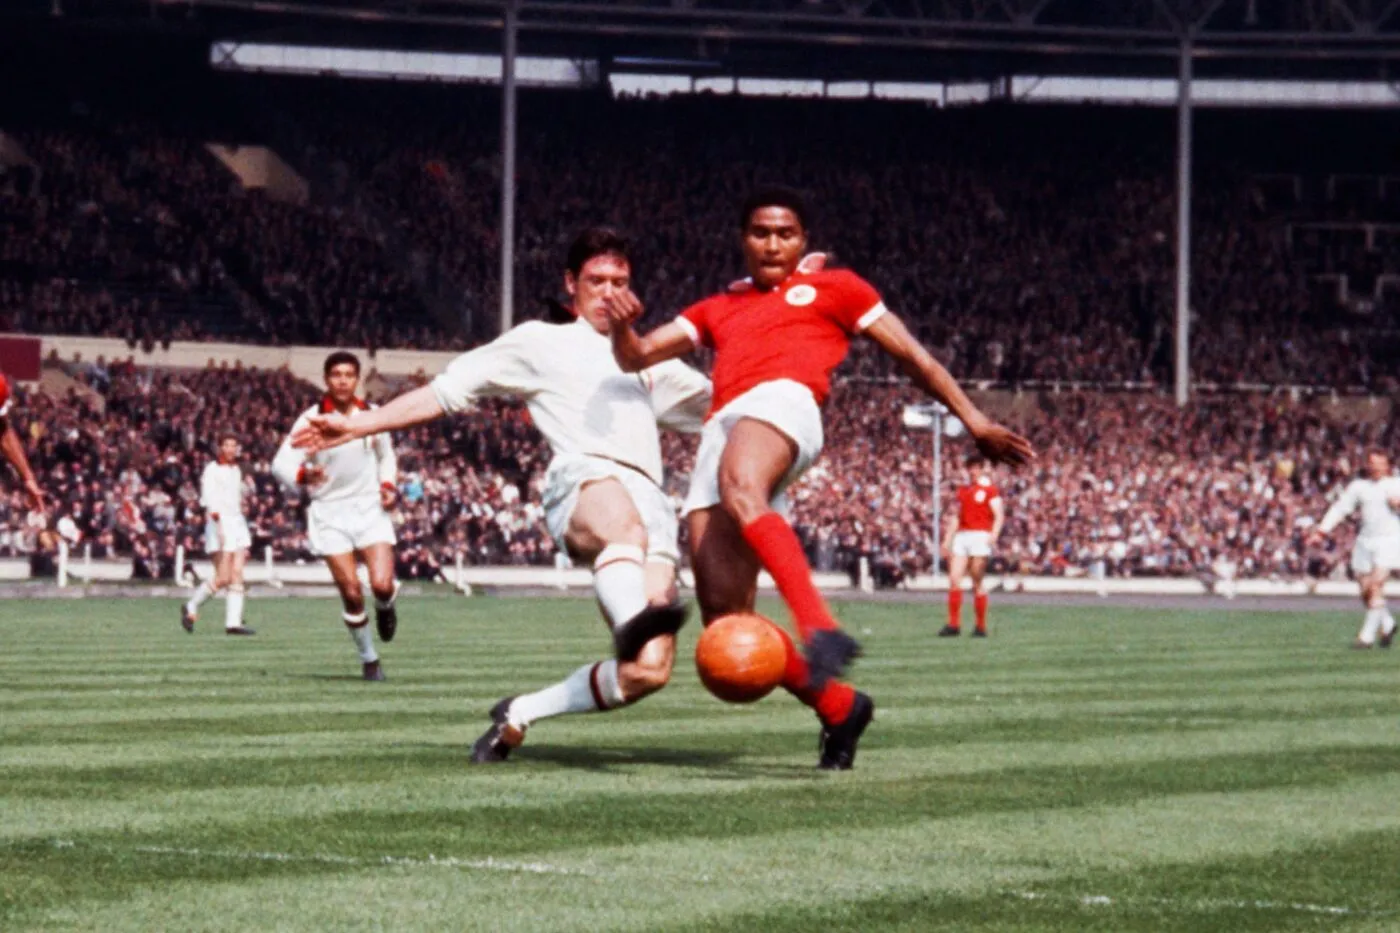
x=595, y=241
x=774, y=196
x=226, y=435
x=338, y=357
x=977, y=459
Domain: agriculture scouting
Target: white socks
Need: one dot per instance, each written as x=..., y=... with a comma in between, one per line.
x=233, y=606
x=361, y=636
x=1378, y=620
x=591, y=688
x=200, y=597
x=620, y=580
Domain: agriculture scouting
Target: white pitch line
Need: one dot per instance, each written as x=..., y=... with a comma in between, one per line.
x=403, y=861
x=1100, y=900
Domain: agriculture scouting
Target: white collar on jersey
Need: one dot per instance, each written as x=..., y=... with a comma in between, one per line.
x=812, y=262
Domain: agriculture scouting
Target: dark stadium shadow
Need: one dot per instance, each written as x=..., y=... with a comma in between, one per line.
x=722, y=763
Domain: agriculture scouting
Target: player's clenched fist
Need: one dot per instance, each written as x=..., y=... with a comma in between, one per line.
x=623, y=307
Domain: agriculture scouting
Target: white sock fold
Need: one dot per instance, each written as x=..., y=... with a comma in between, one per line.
x=620, y=581
x=357, y=626
x=590, y=689
x=200, y=597
x=233, y=606
x=1375, y=616
x=1387, y=622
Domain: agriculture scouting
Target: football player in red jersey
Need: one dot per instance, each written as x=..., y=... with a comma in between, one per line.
x=13, y=448
x=972, y=533
x=777, y=336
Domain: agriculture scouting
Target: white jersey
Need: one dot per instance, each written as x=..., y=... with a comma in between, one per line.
x=1378, y=518
x=221, y=490
x=579, y=398
x=354, y=472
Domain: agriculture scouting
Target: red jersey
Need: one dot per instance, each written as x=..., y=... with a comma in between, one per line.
x=800, y=330
x=5, y=398
x=975, y=506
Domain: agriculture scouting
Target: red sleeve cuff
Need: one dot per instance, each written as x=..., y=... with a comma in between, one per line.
x=389, y=486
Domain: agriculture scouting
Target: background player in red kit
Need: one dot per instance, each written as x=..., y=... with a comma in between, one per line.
x=13, y=448
x=777, y=336
x=973, y=530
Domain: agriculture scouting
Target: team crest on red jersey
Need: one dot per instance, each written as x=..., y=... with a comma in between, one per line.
x=800, y=295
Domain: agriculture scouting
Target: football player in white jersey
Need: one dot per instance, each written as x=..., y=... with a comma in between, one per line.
x=603, y=498
x=353, y=488
x=1376, y=553
x=226, y=538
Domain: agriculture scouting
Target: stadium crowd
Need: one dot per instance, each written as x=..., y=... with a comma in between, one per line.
x=1126, y=484
x=1016, y=270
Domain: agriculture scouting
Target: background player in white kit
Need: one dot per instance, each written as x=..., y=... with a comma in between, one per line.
x=1376, y=553
x=603, y=499
x=226, y=538
x=353, y=488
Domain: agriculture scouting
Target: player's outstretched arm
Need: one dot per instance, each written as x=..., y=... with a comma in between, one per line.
x=996, y=442
x=635, y=353
x=322, y=432
x=13, y=450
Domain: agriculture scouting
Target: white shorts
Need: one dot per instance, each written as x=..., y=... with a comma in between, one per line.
x=784, y=404
x=348, y=526
x=569, y=473
x=1370, y=554
x=228, y=534
x=972, y=544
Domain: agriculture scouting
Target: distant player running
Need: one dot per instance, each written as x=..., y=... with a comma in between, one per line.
x=973, y=531
x=352, y=488
x=1376, y=554
x=226, y=538
x=13, y=448
x=777, y=336
x=603, y=499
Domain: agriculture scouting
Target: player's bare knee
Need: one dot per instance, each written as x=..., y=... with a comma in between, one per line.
x=354, y=602
x=743, y=498
x=627, y=532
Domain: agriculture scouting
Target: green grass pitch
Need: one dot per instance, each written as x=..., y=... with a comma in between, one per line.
x=1097, y=769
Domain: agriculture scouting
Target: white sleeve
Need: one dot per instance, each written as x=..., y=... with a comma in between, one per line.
x=680, y=396
x=288, y=462
x=388, y=460
x=1346, y=504
x=208, y=496
x=502, y=367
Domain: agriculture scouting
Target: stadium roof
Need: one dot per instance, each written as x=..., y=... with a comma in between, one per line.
x=828, y=38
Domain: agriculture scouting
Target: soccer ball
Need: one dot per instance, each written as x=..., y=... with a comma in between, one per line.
x=741, y=657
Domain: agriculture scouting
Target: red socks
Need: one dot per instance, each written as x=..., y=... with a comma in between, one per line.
x=979, y=603
x=954, y=608
x=832, y=702
x=777, y=547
